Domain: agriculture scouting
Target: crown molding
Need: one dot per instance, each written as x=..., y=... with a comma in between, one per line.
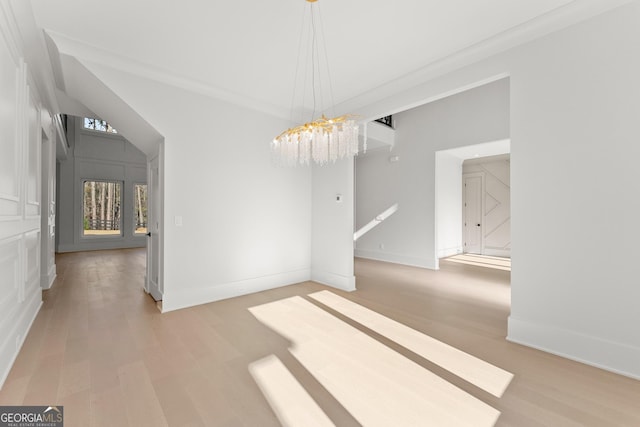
x=93, y=54
x=556, y=20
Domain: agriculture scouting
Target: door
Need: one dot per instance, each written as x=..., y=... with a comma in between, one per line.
x=472, y=217
x=153, y=283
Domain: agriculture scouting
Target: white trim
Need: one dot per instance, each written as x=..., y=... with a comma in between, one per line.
x=591, y=350
x=506, y=253
x=395, y=258
x=202, y=294
x=442, y=253
x=100, y=245
x=562, y=17
x=344, y=283
x=23, y=334
x=49, y=278
x=90, y=54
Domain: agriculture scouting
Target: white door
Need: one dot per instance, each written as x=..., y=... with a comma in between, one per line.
x=472, y=217
x=152, y=284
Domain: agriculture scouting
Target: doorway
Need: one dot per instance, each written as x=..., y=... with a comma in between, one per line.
x=451, y=173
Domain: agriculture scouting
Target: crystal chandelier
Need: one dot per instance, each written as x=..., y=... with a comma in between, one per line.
x=323, y=139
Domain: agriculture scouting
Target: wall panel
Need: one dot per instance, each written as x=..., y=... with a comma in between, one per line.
x=9, y=160
x=20, y=172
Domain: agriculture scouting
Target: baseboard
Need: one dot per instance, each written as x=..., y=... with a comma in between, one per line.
x=594, y=351
x=154, y=291
x=49, y=278
x=183, y=298
x=442, y=253
x=99, y=246
x=345, y=283
x=396, y=259
x=506, y=253
x=26, y=319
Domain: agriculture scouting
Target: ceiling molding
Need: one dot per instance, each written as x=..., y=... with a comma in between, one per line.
x=556, y=20
x=92, y=54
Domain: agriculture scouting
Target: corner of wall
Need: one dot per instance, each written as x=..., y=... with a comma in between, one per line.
x=591, y=350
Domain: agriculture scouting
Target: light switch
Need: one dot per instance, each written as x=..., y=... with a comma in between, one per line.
x=178, y=221
x=338, y=198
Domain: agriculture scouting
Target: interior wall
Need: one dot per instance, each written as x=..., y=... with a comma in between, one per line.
x=574, y=98
x=23, y=119
x=332, y=225
x=448, y=198
x=409, y=236
x=575, y=101
x=496, y=218
x=234, y=222
x=97, y=156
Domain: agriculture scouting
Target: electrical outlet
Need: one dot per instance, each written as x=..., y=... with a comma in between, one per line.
x=381, y=245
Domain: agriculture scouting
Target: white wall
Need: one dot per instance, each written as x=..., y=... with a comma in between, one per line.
x=408, y=237
x=21, y=128
x=332, y=227
x=448, y=199
x=575, y=103
x=246, y=224
x=573, y=106
x=94, y=156
x=496, y=217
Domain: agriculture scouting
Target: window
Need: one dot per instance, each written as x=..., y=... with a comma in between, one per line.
x=101, y=206
x=140, y=208
x=99, y=125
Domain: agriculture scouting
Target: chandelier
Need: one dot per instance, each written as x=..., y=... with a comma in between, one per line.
x=322, y=139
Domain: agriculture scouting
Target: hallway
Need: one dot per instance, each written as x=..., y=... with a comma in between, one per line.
x=101, y=348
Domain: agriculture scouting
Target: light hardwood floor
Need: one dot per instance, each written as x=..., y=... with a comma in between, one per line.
x=100, y=347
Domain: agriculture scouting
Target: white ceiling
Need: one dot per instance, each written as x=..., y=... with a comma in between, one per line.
x=248, y=49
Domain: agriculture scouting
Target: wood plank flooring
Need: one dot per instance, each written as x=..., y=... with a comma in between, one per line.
x=101, y=348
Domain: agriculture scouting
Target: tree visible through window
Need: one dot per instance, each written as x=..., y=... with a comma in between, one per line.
x=140, y=208
x=99, y=125
x=101, y=207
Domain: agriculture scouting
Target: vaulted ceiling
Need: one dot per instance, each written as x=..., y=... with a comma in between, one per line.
x=247, y=50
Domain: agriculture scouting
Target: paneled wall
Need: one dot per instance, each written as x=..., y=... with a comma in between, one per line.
x=21, y=129
x=496, y=215
x=97, y=156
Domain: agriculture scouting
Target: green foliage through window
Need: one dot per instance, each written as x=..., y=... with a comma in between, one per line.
x=101, y=208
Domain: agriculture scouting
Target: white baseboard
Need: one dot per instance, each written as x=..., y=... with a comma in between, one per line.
x=449, y=251
x=497, y=252
x=48, y=279
x=154, y=290
x=21, y=329
x=345, y=283
x=611, y=356
x=396, y=259
x=183, y=298
x=99, y=246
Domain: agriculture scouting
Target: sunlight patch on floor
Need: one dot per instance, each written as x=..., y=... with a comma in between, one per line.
x=498, y=263
x=377, y=385
x=476, y=371
x=289, y=400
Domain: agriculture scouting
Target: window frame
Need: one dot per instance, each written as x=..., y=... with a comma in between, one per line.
x=120, y=230
x=134, y=207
